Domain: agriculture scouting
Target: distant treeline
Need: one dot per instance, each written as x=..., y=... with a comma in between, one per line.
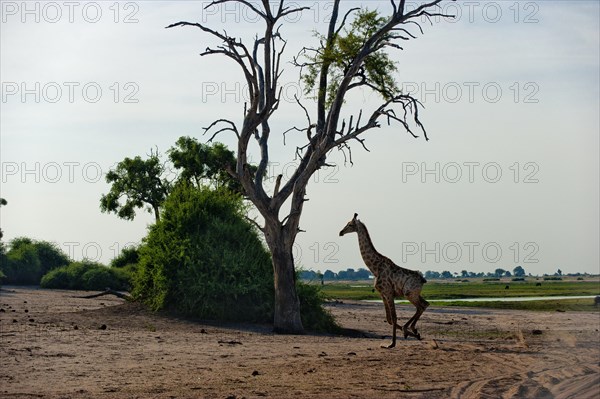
x=348, y=274
x=364, y=274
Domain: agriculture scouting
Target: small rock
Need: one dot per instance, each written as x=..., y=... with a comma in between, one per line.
x=14, y=320
x=26, y=311
x=255, y=373
x=102, y=327
x=537, y=332
x=2, y=310
x=203, y=331
x=351, y=353
x=31, y=320
x=75, y=327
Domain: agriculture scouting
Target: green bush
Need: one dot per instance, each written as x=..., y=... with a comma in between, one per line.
x=128, y=256
x=314, y=316
x=57, y=278
x=28, y=260
x=22, y=266
x=203, y=259
x=86, y=276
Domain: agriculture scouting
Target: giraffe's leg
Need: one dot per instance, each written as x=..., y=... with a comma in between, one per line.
x=423, y=304
x=390, y=308
x=388, y=313
x=420, y=304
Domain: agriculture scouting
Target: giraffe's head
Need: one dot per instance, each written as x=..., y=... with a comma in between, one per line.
x=350, y=227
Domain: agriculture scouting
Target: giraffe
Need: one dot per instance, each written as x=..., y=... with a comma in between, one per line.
x=391, y=281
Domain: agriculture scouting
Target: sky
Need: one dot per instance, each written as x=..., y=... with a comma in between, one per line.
x=510, y=94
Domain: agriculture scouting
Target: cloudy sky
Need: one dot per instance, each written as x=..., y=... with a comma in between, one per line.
x=510, y=92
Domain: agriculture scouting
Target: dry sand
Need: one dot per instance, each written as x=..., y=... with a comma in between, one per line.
x=55, y=346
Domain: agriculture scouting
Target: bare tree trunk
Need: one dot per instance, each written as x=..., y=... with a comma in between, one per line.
x=287, y=305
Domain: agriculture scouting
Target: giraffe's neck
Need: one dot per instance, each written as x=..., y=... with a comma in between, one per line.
x=370, y=256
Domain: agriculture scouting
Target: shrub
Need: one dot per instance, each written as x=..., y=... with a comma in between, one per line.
x=314, y=316
x=128, y=256
x=28, y=260
x=50, y=256
x=518, y=279
x=86, y=276
x=22, y=266
x=552, y=278
x=57, y=278
x=203, y=259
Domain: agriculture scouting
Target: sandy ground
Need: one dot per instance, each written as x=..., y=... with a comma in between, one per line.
x=53, y=345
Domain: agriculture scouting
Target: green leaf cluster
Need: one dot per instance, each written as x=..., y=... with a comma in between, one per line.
x=140, y=182
x=376, y=69
x=201, y=163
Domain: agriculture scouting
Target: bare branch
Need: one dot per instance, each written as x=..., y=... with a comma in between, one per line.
x=232, y=128
x=246, y=3
x=350, y=11
x=293, y=128
x=255, y=223
x=277, y=185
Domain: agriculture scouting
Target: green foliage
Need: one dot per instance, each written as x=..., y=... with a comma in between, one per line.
x=23, y=266
x=203, y=259
x=475, y=289
x=86, y=275
x=519, y=271
x=28, y=260
x=314, y=316
x=50, y=256
x=376, y=70
x=204, y=164
x=128, y=256
x=140, y=182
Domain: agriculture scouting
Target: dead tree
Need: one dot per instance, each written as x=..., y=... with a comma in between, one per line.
x=334, y=78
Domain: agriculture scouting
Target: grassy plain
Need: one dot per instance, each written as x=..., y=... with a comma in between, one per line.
x=449, y=291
